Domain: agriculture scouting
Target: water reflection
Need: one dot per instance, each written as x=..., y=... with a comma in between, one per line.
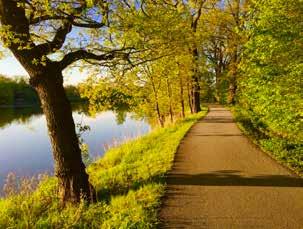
x=24, y=143
x=19, y=115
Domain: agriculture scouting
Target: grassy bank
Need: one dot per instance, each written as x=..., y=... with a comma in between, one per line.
x=286, y=150
x=129, y=180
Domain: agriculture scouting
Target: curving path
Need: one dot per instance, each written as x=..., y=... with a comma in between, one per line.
x=221, y=180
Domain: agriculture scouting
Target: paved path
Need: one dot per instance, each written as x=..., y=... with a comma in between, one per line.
x=221, y=180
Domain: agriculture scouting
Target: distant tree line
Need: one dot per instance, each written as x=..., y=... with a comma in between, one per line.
x=18, y=92
x=12, y=89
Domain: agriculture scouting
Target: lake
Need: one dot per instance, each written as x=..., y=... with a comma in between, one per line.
x=25, y=147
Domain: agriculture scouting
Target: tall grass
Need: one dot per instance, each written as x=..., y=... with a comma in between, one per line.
x=129, y=180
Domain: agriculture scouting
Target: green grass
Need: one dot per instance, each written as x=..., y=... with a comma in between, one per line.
x=129, y=180
x=287, y=151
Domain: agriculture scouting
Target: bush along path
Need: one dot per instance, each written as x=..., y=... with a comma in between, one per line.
x=221, y=180
x=128, y=179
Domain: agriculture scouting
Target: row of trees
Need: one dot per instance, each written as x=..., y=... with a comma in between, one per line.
x=194, y=49
x=13, y=90
x=159, y=57
x=10, y=89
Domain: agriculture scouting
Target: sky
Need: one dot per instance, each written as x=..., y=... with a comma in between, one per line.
x=10, y=67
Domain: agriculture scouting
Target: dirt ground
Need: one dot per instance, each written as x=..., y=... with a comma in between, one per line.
x=221, y=180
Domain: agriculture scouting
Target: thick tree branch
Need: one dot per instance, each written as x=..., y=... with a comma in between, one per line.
x=83, y=54
x=71, y=19
x=57, y=41
x=37, y=20
x=197, y=16
x=93, y=25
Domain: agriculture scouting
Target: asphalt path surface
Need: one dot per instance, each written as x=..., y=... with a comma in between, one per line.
x=221, y=180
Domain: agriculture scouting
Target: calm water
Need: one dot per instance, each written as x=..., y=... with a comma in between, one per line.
x=25, y=147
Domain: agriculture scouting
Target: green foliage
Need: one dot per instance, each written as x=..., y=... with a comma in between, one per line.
x=128, y=181
x=9, y=90
x=270, y=87
x=270, y=84
x=6, y=89
x=106, y=94
x=12, y=89
x=73, y=94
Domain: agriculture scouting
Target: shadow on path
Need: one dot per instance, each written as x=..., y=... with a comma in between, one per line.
x=233, y=178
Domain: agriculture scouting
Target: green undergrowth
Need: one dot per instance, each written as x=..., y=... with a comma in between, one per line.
x=129, y=181
x=288, y=151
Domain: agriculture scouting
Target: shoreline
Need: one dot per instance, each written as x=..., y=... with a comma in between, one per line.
x=21, y=106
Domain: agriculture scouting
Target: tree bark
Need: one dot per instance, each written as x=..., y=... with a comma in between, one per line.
x=196, y=83
x=219, y=69
x=72, y=178
x=232, y=91
x=235, y=57
x=218, y=84
x=181, y=96
x=160, y=118
x=189, y=97
x=195, y=55
x=233, y=79
x=46, y=77
x=169, y=93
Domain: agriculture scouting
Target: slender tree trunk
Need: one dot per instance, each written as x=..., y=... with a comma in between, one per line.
x=169, y=93
x=232, y=92
x=69, y=168
x=181, y=96
x=218, y=88
x=196, y=83
x=219, y=72
x=160, y=119
x=233, y=76
x=189, y=97
x=195, y=56
x=196, y=97
x=159, y=116
x=233, y=81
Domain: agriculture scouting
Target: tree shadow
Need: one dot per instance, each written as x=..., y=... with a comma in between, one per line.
x=106, y=193
x=180, y=223
x=215, y=178
x=233, y=178
x=217, y=135
x=217, y=119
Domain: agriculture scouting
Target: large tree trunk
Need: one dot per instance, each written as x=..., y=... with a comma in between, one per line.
x=69, y=168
